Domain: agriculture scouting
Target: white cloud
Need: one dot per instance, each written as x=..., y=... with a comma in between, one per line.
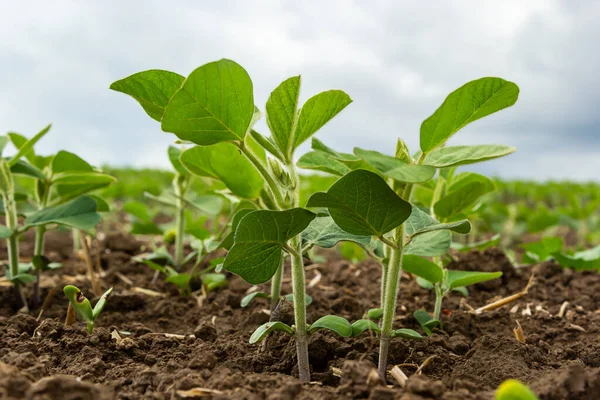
x=397, y=60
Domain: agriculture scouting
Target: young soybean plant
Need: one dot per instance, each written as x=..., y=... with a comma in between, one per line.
x=363, y=203
x=214, y=108
x=62, y=186
x=82, y=305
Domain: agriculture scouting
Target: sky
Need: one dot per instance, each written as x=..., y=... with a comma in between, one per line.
x=397, y=60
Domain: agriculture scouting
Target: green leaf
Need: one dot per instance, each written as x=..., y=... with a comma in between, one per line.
x=395, y=168
x=65, y=161
x=362, y=203
x=259, y=239
x=320, y=161
x=543, y=249
x=19, y=141
x=407, y=334
x=73, y=184
x=235, y=221
x=462, y=290
x=156, y=267
x=282, y=114
x=3, y=143
x=375, y=314
x=22, y=167
x=174, y=154
x=249, y=298
x=152, y=89
x=512, y=389
x=101, y=303
x=79, y=213
x=317, y=111
x=466, y=278
x=27, y=147
x=466, y=104
x=444, y=157
x=581, y=260
x=265, y=329
x=423, y=268
x=145, y=228
x=80, y=303
x=336, y=324
x=358, y=327
x=324, y=232
x=426, y=321
x=465, y=190
x=138, y=209
x=182, y=281
x=481, y=245
x=5, y=232
x=307, y=299
x=214, y=281
x=430, y=244
x=101, y=204
x=224, y=162
x=208, y=204
x=420, y=223
x=215, y=104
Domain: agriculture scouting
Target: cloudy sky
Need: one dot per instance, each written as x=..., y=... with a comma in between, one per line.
x=397, y=60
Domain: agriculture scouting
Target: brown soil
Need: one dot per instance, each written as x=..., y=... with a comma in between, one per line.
x=471, y=357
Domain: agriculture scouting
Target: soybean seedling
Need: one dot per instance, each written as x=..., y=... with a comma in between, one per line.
x=512, y=389
x=372, y=197
x=219, y=120
x=82, y=305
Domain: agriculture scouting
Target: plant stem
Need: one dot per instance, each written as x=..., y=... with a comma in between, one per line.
x=96, y=288
x=394, y=271
x=180, y=185
x=299, y=293
x=272, y=185
x=276, y=284
x=38, y=250
x=384, y=271
x=12, y=242
x=439, y=296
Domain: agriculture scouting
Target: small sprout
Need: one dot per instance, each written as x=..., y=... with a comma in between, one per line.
x=82, y=305
x=375, y=314
x=336, y=324
x=358, y=327
x=426, y=321
x=514, y=390
x=519, y=334
x=212, y=281
x=406, y=334
x=265, y=329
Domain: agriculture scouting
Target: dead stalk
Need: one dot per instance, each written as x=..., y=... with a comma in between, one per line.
x=425, y=363
x=563, y=308
x=96, y=288
x=519, y=334
x=70, y=320
x=505, y=300
x=46, y=303
x=399, y=376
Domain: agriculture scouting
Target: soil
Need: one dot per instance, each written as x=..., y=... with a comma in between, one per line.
x=212, y=358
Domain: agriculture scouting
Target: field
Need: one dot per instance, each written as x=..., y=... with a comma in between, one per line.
x=250, y=271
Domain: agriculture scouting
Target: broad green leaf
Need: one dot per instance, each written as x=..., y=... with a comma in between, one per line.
x=430, y=244
x=423, y=268
x=152, y=89
x=155, y=266
x=97, y=179
x=349, y=159
x=282, y=114
x=581, y=260
x=320, y=161
x=420, y=223
x=101, y=303
x=425, y=284
x=362, y=325
x=336, y=324
x=267, y=144
x=462, y=290
x=138, y=210
x=101, y=204
x=23, y=279
x=406, y=334
x=265, y=329
x=215, y=104
x=543, y=249
x=259, y=240
x=395, y=168
x=464, y=191
x=145, y=228
x=79, y=213
x=235, y=221
x=19, y=141
x=174, y=154
x=249, y=298
x=22, y=167
x=324, y=232
x=317, y=111
x=353, y=252
x=27, y=147
x=65, y=161
x=512, y=389
x=223, y=161
x=426, y=321
x=466, y=104
x=362, y=203
x=5, y=232
x=166, y=198
x=182, y=281
x=209, y=204
x=466, y=278
x=444, y=157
